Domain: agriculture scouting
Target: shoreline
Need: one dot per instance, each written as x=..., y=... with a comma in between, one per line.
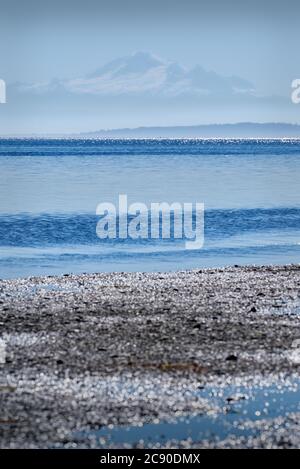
x=92, y=350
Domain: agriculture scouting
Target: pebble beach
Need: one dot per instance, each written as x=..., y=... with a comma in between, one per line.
x=84, y=356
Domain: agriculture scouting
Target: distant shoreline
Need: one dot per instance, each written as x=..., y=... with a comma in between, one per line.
x=238, y=131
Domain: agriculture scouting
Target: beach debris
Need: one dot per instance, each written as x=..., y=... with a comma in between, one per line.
x=232, y=358
x=2, y=352
x=7, y=388
x=294, y=354
x=235, y=398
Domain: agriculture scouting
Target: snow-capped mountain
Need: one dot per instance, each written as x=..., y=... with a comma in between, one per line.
x=145, y=74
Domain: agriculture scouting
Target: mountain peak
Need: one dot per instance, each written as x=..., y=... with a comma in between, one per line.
x=144, y=56
x=136, y=63
x=139, y=62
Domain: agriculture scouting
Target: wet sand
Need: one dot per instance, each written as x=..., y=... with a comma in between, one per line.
x=86, y=352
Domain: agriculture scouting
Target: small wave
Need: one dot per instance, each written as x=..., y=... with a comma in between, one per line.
x=223, y=227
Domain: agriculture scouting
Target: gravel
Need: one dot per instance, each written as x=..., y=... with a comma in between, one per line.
x=83, y=352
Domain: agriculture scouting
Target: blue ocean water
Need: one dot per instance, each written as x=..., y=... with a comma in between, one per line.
x=49, y=190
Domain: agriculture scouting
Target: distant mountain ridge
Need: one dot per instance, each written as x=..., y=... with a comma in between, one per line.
x=142, y=73
x=238, y=130
x=142, y=89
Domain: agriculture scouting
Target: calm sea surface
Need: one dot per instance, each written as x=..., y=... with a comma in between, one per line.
x=49, y=190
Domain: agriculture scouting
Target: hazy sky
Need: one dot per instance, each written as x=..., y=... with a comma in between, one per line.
x=68, y=39
x=258, y=40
